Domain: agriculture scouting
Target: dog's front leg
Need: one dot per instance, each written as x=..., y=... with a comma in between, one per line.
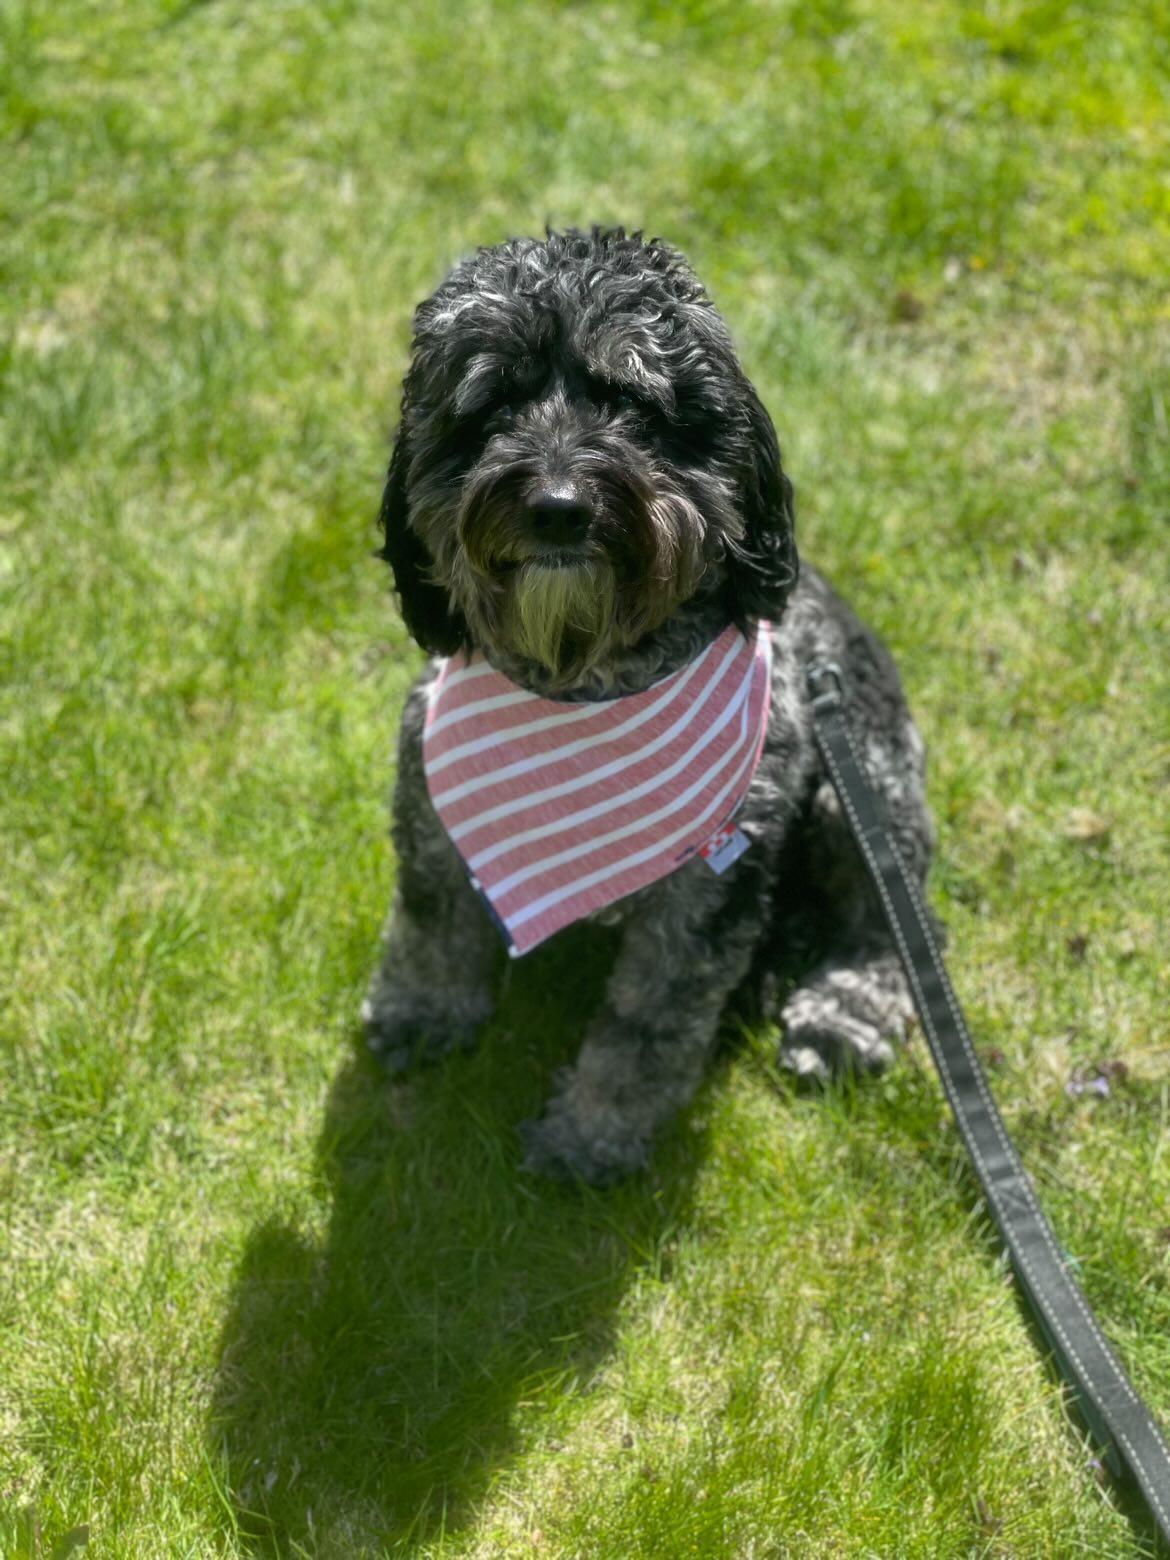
x=435, y=985
x=687, y=945
x=433, y=990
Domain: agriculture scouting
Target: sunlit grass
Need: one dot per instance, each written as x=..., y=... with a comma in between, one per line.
x=250, y=1296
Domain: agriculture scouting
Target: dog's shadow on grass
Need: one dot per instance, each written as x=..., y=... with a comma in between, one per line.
x=368, y=1376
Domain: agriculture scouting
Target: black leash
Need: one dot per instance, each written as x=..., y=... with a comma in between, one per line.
x=1116, y=1416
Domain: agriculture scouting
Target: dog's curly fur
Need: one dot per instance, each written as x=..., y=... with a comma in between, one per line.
x=586, y=488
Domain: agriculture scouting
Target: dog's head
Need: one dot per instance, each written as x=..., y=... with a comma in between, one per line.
x=579, y=454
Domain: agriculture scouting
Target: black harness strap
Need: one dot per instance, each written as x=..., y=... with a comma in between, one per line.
x=1116, y=1416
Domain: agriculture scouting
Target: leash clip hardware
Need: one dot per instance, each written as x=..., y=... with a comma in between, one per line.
x=826, y=685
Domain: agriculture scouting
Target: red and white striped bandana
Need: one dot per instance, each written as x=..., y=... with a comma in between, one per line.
x=559, y=809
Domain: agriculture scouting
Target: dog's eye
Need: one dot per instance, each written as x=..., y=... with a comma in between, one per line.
x=618, y=399
x=612, y=396
x=501, y=419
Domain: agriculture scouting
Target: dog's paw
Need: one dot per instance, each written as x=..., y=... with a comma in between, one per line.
x=556, y=1147
x=402, y=1037
x=847, y=1019
x=822, y=1040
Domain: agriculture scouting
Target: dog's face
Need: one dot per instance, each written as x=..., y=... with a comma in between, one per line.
x=579, y=455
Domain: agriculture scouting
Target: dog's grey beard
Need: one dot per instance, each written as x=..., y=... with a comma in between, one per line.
x=569, y=620
x=561, y=618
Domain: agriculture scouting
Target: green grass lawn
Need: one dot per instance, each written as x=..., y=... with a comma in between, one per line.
x=252, y=1298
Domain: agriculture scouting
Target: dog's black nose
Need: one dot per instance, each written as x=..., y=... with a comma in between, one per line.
x=559, y=515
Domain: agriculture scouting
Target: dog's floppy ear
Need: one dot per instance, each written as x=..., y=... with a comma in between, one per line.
x=762, y=568
x=424, y=605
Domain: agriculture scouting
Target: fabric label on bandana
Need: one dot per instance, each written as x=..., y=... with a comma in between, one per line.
x=559, y=809
x=723, y=848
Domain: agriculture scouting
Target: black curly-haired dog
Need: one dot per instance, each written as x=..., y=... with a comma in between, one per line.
x=586, y=489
